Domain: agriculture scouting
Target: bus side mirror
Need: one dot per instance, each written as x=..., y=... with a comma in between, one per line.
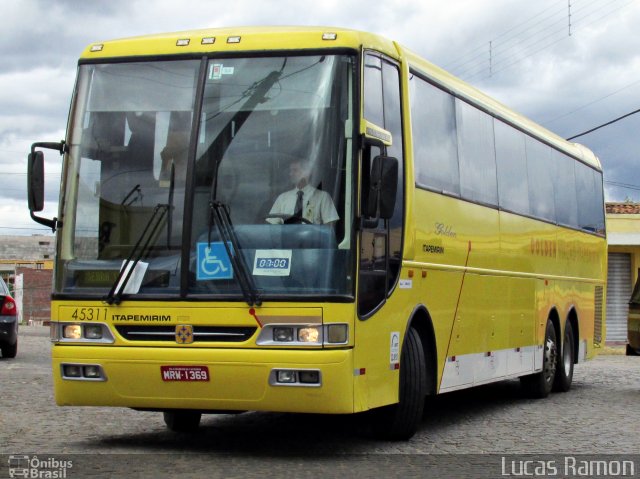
x=35, y=182
x=383, y=184
x=35, y=178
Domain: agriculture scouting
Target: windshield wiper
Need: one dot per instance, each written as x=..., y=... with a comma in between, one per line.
x=257, y=94
x=149, y=232
x=219, y=214
x=135, y=189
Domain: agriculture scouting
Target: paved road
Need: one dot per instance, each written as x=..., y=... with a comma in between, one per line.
x=463, y=434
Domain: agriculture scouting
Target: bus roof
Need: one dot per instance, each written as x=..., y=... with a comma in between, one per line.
x=235, y=39
x=257, y=39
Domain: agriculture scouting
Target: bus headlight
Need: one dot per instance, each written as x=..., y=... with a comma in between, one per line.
x=282, y=334
x=72, y=331
x=80, y=332
x=308, y=335
x=93, y=331
x=304, y=335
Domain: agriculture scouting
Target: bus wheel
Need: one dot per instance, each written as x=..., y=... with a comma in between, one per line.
x=400, y=421
x=539, y=385
x=182, y=420
x=564, y=372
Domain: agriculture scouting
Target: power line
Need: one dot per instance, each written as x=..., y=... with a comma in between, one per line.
x=577, y=20
x=623, y=185
x=518, y=55
x=603, y=125
x=504, y=41
x=515, y=39
x=546, y=122
x=507, y=48
x=502, y=50
x=23, y=228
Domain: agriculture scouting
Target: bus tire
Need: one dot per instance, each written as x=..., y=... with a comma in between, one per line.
x=564, y=371
x=400, y=421
x=539, y=385
x=631, y=351
x=182, y=420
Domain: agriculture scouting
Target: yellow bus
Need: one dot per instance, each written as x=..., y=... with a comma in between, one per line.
x=310, y=220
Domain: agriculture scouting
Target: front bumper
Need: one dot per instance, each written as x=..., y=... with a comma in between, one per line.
x=239, y=379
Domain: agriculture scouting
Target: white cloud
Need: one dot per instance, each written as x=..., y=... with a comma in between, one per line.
x=602, y=56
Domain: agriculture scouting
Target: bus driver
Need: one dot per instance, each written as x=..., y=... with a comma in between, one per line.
x=303, y=201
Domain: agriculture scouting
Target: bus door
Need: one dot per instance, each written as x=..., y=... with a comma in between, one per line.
x=380, y=238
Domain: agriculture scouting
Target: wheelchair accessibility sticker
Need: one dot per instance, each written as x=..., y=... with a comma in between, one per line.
x=213, y=262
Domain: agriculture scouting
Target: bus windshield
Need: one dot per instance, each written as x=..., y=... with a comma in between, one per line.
x=210, y=177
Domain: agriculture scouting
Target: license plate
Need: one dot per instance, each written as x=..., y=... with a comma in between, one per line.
x=184, y=373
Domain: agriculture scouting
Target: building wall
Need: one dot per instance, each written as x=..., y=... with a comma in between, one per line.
x=625, y=228
x=634, y=252
x=27, y=249
x=36, y=294
x=26, y=264
x=619, y=288
x=623, y=236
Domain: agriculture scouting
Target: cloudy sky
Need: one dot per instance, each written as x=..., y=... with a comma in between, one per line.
x=569, y=65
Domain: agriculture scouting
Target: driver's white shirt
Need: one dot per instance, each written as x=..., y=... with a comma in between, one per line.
x=317, y=206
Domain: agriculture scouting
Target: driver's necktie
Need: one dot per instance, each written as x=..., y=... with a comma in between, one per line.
x=297, y=212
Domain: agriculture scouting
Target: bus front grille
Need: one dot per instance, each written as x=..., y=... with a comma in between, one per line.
x=227, y=334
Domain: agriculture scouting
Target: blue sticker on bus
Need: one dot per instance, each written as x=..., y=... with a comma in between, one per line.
x=213, y=262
